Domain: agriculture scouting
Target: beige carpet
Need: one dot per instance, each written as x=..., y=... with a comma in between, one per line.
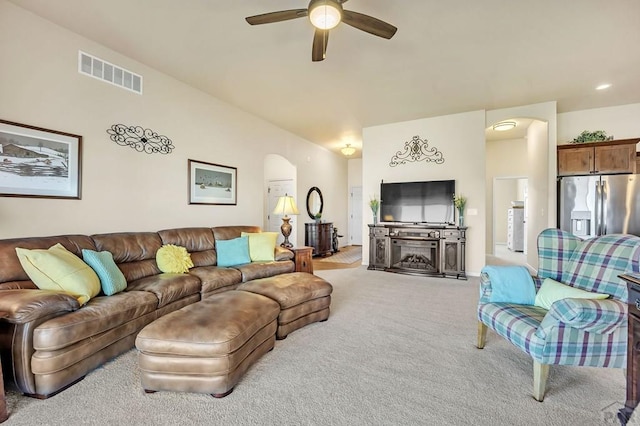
x=346, y=255
x=397, y=350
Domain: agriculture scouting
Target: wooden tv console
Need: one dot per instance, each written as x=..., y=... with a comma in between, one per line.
x=430, y=250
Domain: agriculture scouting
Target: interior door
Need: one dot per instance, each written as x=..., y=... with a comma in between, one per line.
x=355, y=217
x=276, y=189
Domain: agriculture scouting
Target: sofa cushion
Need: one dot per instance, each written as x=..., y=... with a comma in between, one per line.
x=199, y=242
x=112, y=279
x=10, y=268
x=255, y=270
x=173, y=259
x=262, y=245
x=167, y=287
x=551, y=291
x=133, y=252
x=596, y=264
x=233, y=252
x=516, y=323
x=230, y=232
x=213, y=278
x=99, y=315
x=58, y=269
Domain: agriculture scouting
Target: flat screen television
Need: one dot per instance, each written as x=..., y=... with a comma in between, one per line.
x=418, y=202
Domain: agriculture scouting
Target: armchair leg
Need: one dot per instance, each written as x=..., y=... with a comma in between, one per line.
x=540, y=374
x=482, y=334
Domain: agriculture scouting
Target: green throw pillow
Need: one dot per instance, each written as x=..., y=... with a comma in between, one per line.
x=58, y=269
x=173, y=259
x=112, y=279
x=552, y=290
x=262, y=245
x=233, y=252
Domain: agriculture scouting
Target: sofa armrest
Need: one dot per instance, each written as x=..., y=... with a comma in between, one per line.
x=23, y=306
x=485, y=288
x=283, y=253
x=591, y=315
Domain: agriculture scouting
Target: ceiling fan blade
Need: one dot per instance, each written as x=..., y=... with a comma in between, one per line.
x=283, y=15
x=369, y=24
x=320, y=40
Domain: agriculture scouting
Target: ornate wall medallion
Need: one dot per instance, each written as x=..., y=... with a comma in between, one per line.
x=142, y=140
x=417, y=150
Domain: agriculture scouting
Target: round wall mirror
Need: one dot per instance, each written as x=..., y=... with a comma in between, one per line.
x=314, y=202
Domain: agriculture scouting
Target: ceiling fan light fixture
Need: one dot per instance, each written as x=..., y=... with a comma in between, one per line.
x=325, y=14
x=348, y=150
x=504, y=125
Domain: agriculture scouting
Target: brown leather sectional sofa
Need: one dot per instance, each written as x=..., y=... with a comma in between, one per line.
x=48, y=342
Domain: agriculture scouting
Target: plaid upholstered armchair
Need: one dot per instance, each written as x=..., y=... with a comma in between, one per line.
x=572, y=331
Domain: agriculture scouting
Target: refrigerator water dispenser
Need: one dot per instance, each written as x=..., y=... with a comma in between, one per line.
x=581, y=223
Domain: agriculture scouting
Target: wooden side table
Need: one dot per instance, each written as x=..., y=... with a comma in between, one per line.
x=302, y=258
x=3, y=398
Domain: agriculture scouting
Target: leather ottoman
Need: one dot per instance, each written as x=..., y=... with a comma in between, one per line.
x=206, y=347
x=304, y=298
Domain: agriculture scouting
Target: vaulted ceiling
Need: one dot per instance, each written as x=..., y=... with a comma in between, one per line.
x=447, y=56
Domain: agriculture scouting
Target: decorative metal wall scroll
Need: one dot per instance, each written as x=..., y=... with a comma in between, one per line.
x=417, y=150
x=142, y=140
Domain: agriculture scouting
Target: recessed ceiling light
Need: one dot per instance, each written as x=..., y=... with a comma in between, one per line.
x=505, y=125
x=603, y=86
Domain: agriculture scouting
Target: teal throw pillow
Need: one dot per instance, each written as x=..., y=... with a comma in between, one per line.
x=112, y=279
x=233, y=252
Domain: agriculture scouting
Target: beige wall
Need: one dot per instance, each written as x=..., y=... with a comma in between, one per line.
x=621, y=122
x=123, y=190
x=355, y=180
x=461, y=139
x=506, y=158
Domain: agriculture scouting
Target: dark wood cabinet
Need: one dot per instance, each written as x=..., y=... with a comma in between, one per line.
x=319, y=236
x=453, y=252
x=379, y=248
x=418, y=249
x=609, y=157
x=633, y=349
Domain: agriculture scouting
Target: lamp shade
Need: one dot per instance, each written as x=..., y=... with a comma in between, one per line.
x=285, y=206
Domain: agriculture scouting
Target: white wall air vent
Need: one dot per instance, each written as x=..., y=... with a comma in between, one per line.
x=106, y=71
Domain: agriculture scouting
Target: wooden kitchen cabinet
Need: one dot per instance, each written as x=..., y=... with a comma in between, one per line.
x=608, y=157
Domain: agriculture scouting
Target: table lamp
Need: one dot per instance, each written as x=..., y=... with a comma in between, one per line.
x=286, y=206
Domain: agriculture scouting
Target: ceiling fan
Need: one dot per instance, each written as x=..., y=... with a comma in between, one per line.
x=325, y=15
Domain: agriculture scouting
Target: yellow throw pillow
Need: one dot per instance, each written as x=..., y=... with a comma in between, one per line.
x=58, y=269
x=552, y=290
x=173, y=259
x=262, y=245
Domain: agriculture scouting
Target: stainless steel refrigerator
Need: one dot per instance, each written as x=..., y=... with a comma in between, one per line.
x=596, y=205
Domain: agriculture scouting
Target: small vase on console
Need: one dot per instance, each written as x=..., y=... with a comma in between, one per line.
x=460, y=202
x=374, y=203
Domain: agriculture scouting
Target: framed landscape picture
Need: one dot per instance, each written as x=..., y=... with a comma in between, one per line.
x=212, y=183
x=37, y=162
